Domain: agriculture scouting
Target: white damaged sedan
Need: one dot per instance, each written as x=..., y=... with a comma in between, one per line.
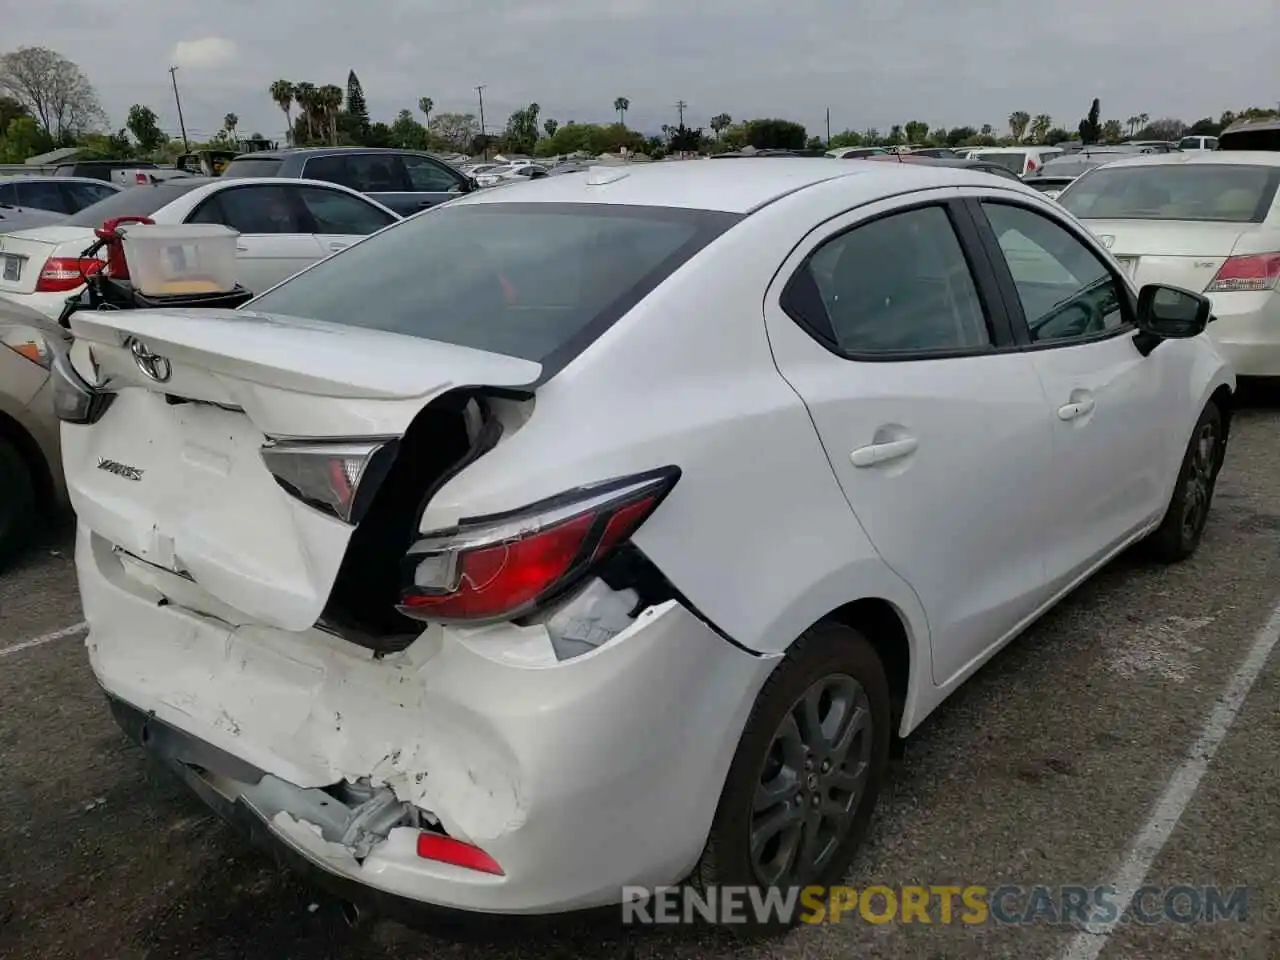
x=607, y=532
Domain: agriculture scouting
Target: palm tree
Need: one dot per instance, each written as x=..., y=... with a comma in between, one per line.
x=1040, y=127
x=551, y=126
x=282, y=93
x=305, y=94
x=229, y=124
x=1132, y=124
x=1018, y=121
x=721, y=122
x=426, y=105
x=1143, y=119
x=331, y=97
x=621, y=105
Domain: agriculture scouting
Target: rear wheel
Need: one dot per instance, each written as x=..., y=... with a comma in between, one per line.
x=1180, y=532
x=17, y=502
x=803, y=783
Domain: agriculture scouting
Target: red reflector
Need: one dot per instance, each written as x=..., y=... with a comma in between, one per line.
x=62, y=274
x=1255, y=271
x=506, y=576
x=140, y=178
x=442, y=849
x=621, y=524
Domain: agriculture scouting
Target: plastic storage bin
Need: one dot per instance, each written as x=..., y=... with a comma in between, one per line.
x=167, y=260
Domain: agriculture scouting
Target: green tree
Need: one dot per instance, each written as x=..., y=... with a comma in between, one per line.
x=456, y=130
x=895, y=138
x=145, y=127
x=1112, y=132
x=620, y=106
x=305, y=94
x=1057, y=135
x=958, y=135
x=357, y=107
x=845, y=138
x=407, y=133
x=229, y=124
x=54, y=91
x=331, y=97
x=938, y=138
x=521, y=135
x=1168, y=128
x=1018, y=121
x=689, y=139
x=1090, y=128
x=426, y=105
x=282, y=92
x=917, y=131
x=1207, y=127
x=550, y=125
x=1040, y=126
x=10, y=109
x=23, y=138
x=775, y=134
x=720, y=123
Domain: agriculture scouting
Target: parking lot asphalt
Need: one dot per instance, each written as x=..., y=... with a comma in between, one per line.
x=1053, y=766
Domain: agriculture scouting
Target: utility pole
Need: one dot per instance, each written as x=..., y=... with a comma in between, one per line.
x=485, y=141
x=173, y=75
x=828, y=126
x=680, y=105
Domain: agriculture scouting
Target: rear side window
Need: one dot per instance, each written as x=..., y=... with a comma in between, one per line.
x=8, y=194
x=80, y=195
x=334, y=212
x=376, y=173
x=532, y=280
x=141, y=201
x=1218, y=192
x=41, y=195
x=253, y=167
x=897, y=285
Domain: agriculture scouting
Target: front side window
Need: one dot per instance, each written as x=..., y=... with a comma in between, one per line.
x=899, y=284
x=341, y=213
x=41, y=195
x=427, y=176
x=376, y=173
x=1066, y=291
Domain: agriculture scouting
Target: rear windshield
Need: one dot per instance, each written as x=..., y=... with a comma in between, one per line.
x=253, y=167
x=140, y=201
x=1010, y=161
x=538, y=281
x=1208, y=192
x=1045, y=184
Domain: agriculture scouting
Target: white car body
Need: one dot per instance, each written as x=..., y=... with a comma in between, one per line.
x=1032, y=157
x=1191, y=254
x=262, y=259
x=951, y=499
x=855, y=153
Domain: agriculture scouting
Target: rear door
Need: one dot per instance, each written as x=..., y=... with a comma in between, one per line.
x=887, y=322
x=340, y=219
x=1107, y=402
x=276, y=236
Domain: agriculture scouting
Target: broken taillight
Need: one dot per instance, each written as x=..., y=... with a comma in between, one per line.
x=337, y=478
x=504, y=566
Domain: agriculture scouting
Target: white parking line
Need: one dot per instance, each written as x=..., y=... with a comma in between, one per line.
x=70, y=631
x=1173, y=802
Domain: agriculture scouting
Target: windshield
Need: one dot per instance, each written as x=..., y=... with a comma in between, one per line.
x=537, y=281
x=253, y=167
x=1207, y=192
x=141, y=201
x=1010, y=161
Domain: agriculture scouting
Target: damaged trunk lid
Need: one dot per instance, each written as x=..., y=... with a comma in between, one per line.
x=219, y=422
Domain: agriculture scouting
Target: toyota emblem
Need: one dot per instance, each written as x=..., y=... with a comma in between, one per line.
x=153, y=366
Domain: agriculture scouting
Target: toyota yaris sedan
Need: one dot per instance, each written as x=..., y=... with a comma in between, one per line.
x=608, y=532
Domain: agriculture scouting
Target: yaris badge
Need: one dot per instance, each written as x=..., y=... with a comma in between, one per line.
x=153, y=366
x=119, y=469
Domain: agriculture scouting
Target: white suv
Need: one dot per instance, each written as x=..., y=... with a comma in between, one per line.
x=605, y=532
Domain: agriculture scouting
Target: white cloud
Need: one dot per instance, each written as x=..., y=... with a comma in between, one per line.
x=205, y=53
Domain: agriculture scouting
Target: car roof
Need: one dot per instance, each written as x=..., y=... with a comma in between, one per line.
x=1256, y=158
x=312, y=151
x=730, y=188
x=28, y=177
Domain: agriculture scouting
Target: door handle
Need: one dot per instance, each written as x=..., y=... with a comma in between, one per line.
x=877, y=453
x=242, y=248
x=1076, y=409
x=338, y=246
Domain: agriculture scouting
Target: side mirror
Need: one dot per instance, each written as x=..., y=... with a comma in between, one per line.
x=1169, y=313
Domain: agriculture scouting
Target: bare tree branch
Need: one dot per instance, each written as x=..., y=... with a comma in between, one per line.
x=54, y=89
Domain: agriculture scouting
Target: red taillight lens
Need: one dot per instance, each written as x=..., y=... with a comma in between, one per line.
x=1254, y=271
x=64, y=274
x=442, y=849
x=502, y=567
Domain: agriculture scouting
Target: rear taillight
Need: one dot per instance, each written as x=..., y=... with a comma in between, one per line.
x=1032, y=166
x=505, y=566
x=338, y=478
x=64, y=274
x=1253, y=271
x=442, y=849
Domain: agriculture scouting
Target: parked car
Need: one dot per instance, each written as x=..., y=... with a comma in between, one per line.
x=1153, y=146
x=284, y=227
x=405, y=181
x=1261, y=133
x=206, y=163
x=508, y=173
x=940, y=153
x=1058, y=173
x=607, y=530
x=1198, y=143
x=1021, y=160
x=53, y=194
x=13, y=219
x=983, y=166
x=99, y=169
x=31, y=485
x=856, y=153
x=1204, y=220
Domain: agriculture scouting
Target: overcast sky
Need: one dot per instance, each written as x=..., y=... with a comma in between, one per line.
x=874, y=63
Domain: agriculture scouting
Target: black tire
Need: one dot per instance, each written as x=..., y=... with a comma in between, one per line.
x=17, y=502
x=828, y=651
x=1182, y=528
